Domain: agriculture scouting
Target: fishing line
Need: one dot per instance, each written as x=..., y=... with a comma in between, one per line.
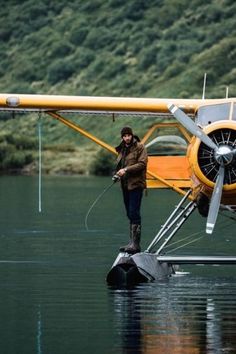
x=188, y=243
x=232, y=217
x=183, y=239
x=115, y=178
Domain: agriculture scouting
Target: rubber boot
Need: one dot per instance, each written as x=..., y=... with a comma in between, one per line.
x=123, y=248
x=134, y=247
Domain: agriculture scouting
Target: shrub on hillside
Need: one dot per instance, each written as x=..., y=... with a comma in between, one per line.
x=16, y=160
x=103, y=164
x=15, y=151
x=78, y=35
x=98, y=38
x=147, y=58
x=60, y=70
x=114, y=67
x=83, y=58
x=61, y=49
x=26, y=72
x=21, y=142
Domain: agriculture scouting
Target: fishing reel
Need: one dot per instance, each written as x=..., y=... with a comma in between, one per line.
x=115, y=178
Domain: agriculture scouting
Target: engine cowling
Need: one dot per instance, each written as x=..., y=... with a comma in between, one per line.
x=205, y=162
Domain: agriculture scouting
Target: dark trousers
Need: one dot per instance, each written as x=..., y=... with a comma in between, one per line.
x=132, y=201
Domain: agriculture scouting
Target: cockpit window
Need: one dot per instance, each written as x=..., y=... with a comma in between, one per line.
x=209, y=114
x=234, y=112
x=167, y=145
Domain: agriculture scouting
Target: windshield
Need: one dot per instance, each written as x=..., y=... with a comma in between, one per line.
x=167, y=145
x=234, y=112
x=213, y=113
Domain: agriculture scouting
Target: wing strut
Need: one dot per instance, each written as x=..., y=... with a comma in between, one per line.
x=173, y=223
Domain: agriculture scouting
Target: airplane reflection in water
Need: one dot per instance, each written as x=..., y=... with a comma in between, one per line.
x=176, y=316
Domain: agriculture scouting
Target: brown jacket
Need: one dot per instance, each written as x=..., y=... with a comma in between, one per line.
x=134, y=159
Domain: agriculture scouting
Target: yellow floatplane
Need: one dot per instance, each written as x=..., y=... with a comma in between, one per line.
x=205, y=174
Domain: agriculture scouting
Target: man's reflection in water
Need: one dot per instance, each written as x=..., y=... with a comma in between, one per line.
x=128, y=320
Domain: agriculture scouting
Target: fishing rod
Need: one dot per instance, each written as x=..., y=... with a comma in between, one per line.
x=115, y=179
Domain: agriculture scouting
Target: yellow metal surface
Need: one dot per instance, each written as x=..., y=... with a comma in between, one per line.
x=170, y=167
x=179, y=184
x=113, y=104
x=82, y=131
x=168, y=172
x=163, y=183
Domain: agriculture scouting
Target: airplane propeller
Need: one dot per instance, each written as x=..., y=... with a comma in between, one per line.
x=215, y=201
x=223, y=156
x=191, y=126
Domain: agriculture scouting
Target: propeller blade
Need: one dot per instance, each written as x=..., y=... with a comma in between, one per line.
x=215, y=201
x=191, y=126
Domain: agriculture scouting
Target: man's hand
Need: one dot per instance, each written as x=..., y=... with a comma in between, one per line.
x=121, y=172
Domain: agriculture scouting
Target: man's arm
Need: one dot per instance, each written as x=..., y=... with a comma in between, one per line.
x=141, y=161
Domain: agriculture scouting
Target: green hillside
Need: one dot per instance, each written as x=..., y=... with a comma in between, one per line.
x=151, y=48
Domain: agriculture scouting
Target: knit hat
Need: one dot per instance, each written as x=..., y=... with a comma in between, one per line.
x=126, y=130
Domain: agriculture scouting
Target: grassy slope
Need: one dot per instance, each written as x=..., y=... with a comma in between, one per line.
x=151, y=48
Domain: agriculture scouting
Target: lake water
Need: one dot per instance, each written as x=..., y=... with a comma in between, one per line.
x=53, y=295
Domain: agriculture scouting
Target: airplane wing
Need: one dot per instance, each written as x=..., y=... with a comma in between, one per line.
x=26, y=103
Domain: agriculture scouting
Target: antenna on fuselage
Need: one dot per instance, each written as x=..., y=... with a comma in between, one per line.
x=204, y=86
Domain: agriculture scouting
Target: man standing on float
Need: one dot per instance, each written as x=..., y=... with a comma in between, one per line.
x=131, y=168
